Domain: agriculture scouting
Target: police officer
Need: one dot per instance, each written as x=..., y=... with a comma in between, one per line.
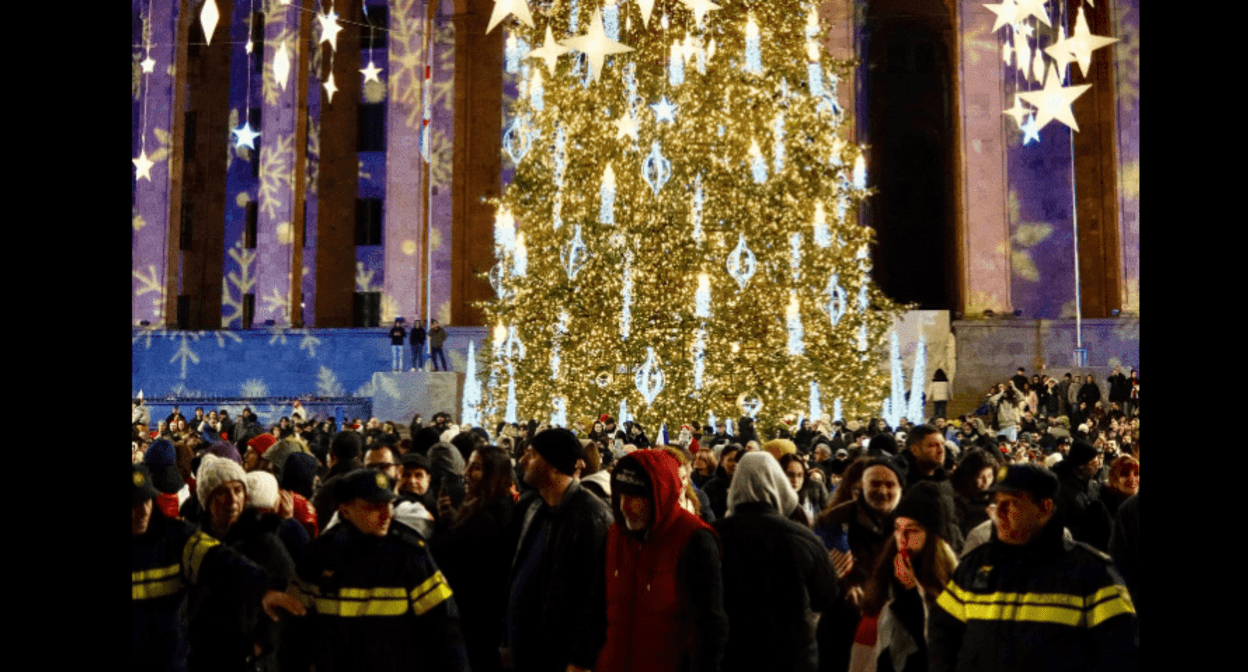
x=167, y=556
x=1030, y=599
x=376, y=600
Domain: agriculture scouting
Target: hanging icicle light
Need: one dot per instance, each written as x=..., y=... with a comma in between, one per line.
x=837, y=301
x=626, y=297
x=623, y=415
x=511, y=55
x=505, y=230
x=860, y=173
x=510, y=414
x=777, y=146
x=702, y=298
x=699, y=357
x=606, y=196
x=757, y=165
x=521, y=259
x=611, y=21
x=537, y=91
x=814, y=72
x=753, y=49
x=816, y=408
x=836, y=410
x=823, y=237
x=793, y=319
x=560, y=417
x=500, y=338
x=711, y=422
x=695, y=212
x=795, y=255
x=649, y=379
x=918, y=376
x=676, y=65
x=862, y=337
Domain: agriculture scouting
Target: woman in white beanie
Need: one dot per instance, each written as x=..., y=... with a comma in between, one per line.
x=226, y=631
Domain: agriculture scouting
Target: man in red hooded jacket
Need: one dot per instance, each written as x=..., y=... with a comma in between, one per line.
x=665, y=596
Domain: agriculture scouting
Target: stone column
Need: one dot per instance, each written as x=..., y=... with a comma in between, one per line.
x=1125, y=16
x=152, y=131
x=477, y=166
x=983, y=226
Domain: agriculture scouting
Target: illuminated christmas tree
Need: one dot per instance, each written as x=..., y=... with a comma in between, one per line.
x=679, y=237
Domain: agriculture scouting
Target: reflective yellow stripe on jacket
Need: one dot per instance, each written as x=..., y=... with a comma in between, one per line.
x=1059, y=608
x=352, y=602
x=193, y=554
x=152, y=583
x=429, y=594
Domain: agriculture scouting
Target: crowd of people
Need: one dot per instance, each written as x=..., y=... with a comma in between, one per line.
x=1003, y=540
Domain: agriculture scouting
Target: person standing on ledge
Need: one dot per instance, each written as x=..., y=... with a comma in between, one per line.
x=397, y=335
x=418, y=347
x=437, y=336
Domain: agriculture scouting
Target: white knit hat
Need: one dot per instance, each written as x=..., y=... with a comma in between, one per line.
x=261, y=490
x=213, y=473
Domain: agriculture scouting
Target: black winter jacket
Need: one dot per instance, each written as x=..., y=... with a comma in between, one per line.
x=775, y=571
x=557, y=607
x=1050, y=604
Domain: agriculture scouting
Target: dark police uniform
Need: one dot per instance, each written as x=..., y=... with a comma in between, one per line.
x=374, y=603
x=165, y=560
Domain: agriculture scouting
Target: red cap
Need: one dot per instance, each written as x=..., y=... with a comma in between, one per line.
x=262, y=443
x=155, y=433
x=604, y=417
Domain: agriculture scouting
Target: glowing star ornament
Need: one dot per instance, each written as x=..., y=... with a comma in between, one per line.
x=625, y=126
x=550, y=51
x=330, y=87
x=1060, y=51
x=329, y=29
x=1083, y=43
x=144, y=166
x=1030, y=131
x=595, y=44
x=664, y=110
x=245, y=136
x=1007, y=13
x=505, y=8
x=1054, y=100
x=699, y=8
x=1018, y=112
x=649, y=379
x=208, y=17
x=1034, y=8
x=148, y=64
x=281, y=65
x=370, y=73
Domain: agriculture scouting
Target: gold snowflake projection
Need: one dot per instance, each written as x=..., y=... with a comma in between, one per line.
x=407, y=71
x=444, y=54
x=1129, y=180
x=364, y=175
x=137, y=221
x=440, y=158
x=374, y=91
x=389, y=308
x=136, y=77
x=151, y=283
x=1026, y=236
x=312, y=163
x=364, y=278
x=980, y=301
x=277, y=306
x=242, y=282
x=979, y=41
x=275, y=169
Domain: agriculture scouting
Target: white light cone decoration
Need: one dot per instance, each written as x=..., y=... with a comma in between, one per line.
x=753, y=52
x=897, y=400
x=281, y=66
x=702, y=298
x=560, y=417
x=795, y=255
x=626, y=297
x=470, y=414
x=836, y=410
x=606, y=197
x=793, y=321
x=728, y=424
x=505, y=230
x=623, y=413
x=823, y=236
x=918, y=375
x=208, y=17
x=695, y=212
x=510, y=414
x=676, y=66
x=500, y=339
x=860, y=173
x=699, y=357
x=711, y=422
x=816, y=408
x=521, y=258
x=758, y=167
x=649, y=378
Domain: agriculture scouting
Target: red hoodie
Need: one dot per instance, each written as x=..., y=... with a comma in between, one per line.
x=646, y=627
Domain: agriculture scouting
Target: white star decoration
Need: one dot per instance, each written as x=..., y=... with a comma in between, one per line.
x=1053, y=101
x=1030, y=130
x=1006, y=13
x=1018, y=111
x=626, y=125
x=370, y=73
x=208, y=17
x=596, y=45
x=246, y=136
x=148, y=64
x=647, y=8
x=329, y=29
x=1084, y=43
x=699, y=8
x=664, y=110
x=1060, y=51
x=144, y=166
x=550, y=51
x=330, y=87
x=250, y=46
x=520, y=8
x=1034, y=8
